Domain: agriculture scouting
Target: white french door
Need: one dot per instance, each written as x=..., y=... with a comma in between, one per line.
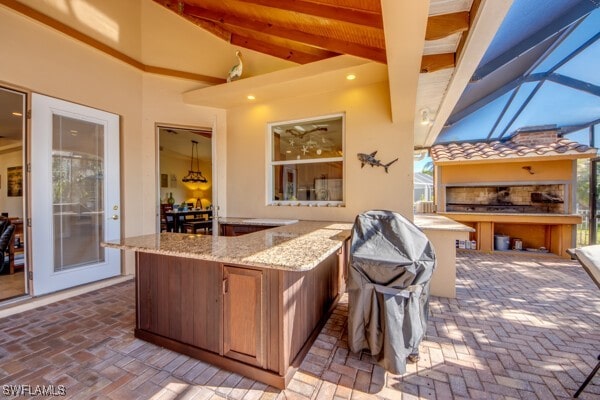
x=74, y=194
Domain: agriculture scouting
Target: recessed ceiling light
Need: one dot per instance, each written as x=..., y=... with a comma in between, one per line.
x=251, y=97
x=351, y=77
x=17, y=114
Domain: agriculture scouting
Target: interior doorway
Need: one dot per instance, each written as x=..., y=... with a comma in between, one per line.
x=13, y=194
x=185, y=178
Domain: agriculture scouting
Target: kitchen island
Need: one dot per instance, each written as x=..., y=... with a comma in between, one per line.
x=251, y=304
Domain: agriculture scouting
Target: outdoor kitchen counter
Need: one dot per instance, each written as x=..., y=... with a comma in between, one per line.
x=520, y=217
x=299, y=246
x=443, y=233
x=554, y=232
x=251, y=304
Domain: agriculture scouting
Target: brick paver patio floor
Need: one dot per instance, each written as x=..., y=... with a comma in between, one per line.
x=523, y=328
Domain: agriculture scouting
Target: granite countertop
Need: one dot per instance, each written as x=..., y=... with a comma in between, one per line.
x=440, y=223
x=297, y=246
x=555, y=215
x=257, y=221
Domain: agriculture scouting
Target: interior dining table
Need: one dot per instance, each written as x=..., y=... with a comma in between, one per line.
x=185, y=216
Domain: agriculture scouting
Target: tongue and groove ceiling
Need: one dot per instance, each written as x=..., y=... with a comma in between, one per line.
x=308, y=33
x=305, y=31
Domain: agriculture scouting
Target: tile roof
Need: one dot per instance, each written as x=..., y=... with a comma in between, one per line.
x=497, y=150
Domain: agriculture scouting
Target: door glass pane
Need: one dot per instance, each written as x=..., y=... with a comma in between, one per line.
x=13, y=190
x=77, y=183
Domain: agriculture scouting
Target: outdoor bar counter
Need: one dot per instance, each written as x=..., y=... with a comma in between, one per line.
x=443, y=233
x=253, y=304
x=250, y=304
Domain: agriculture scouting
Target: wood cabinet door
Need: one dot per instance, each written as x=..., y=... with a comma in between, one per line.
x=180, y=299
x=243, y=315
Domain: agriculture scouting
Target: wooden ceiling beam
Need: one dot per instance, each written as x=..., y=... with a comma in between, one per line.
x=463, y=38
x=302, y=47
x=275, y=50
x=229, y=22
x=315, y=52
x=209, y=26
x=441, y=26
x=324, y=10
x=436, y=62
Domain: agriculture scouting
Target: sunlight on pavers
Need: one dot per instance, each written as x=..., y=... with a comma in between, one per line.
x=518, y=329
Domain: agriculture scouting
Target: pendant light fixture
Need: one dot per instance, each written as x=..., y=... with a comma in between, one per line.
x=194, y=176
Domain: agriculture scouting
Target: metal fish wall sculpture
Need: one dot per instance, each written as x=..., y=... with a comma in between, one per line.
x=370, y=159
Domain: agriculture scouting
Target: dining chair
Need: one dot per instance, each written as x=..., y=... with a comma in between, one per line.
x=589, y=258
x=4, y=222
x=170, y=223
x=166, y=226
x=5, y=251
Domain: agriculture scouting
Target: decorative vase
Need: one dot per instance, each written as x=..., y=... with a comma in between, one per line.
x=171, y=200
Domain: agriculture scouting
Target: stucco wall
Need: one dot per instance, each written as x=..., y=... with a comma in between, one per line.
x=115, y=23
x=162, y=104
x=170, y=40
x=154, y=35
x=368, y=128
x=507, y=171
x=45, y=61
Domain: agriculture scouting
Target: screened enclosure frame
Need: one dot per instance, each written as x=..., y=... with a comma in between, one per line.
x=541, y=79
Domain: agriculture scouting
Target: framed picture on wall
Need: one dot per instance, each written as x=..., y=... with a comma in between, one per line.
x=164, y=180
x=14, y=181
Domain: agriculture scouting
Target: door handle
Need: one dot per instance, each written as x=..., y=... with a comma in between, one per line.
x=115, y=217
x=225, y=286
